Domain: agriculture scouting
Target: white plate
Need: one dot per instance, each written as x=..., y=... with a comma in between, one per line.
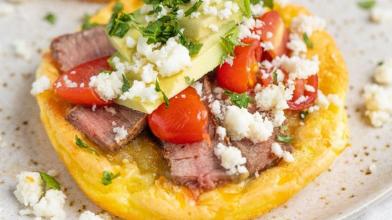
x=338, y=193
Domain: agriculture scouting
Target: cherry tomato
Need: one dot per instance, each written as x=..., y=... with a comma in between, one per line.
x=184, y=121
x=77, y=90
x=300, y=90
x=241, y=76
x=273, y=30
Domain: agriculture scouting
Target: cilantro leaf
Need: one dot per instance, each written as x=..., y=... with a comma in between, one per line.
x=367, y=4
x=254, y=2
x=189, y=80
x=228, y=42
x=87, y=24
x=126, y=85
x=193, y=8
x=161, y=30
x=308, y=42
x=50, y=18
x=49, y=181
x=80, y=143
x=193, y=47
x=107, y=177
x=245, y=7
x=165, y=98
x=240, y=100
x=284, y=138
x=268, y=3
x=118, y=25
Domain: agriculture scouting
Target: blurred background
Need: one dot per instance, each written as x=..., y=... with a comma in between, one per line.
x=346, y=191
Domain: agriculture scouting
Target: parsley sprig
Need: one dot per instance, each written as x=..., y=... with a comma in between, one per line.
x=228, y=42
x=108, y=177
x=50, y=17
x=126, y=85
x=367, y=4
x=119, y=22
x=158, y=89
x=86, y=22
x=308, y=41
x=240, y=100
x=193, y=8
x=49, y=181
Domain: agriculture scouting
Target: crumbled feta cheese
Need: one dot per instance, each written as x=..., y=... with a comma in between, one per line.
x=40, y=85
x=221, y=131
x=288, y=157
x=108, y=86
x=231, y=159
x=87, y=215
x=229, y=60
x=170, y=58
x=51, y=205
x=141, y=90
x=267, y=45
x=297, y=45
x=269, y=35
x=257, y=9
x=322, y=100
x=180, y=13
x=131, y=43
x=301, y=99
x=148, y=73
x=195, y=14
x=307, y=24
x=213, y=27
x=297, y=67
x=314, y=108
x=381, y=14
x=378, y=104
x=271, y=97
x=383, y=73
x=29, y=188
x=120, y=134
x=216, y=109
x=23, y=49
x=69, y=83
x=242, y=124
x=279, y=118
x=246, y=29
x=277, y=150
x=6, y=9
x=309, y=88
x=198, y=86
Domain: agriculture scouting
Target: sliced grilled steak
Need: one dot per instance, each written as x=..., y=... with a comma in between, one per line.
x=259, y=156
x=98, y=125
x=195, y=165
x=71, y=50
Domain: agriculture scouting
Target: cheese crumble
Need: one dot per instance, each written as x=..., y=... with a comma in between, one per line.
x=40, y=85
x=231, y=159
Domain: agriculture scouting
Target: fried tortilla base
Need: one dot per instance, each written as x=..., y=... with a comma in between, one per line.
x=144, y=191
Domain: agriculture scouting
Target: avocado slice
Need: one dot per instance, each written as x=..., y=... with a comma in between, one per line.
x=208, y=58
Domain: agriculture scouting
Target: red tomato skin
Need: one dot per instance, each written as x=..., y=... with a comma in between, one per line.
x=300, y=91
x=273, y=23
x=242, y=75
x=184, y=121
x=82, y=74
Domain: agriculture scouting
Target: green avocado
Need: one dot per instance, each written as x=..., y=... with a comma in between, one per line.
x=208, y=58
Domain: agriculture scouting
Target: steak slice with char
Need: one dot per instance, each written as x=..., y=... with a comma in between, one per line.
x=98, y=125
x=259, y=156
x=195, y=165
x=71, y=50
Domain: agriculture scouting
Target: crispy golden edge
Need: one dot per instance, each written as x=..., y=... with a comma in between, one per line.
x=134, y=195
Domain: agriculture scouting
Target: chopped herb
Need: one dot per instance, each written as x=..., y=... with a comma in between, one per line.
x=268, y=3
x=380, y=63
x=308, y=41
x=80, y=143
x=119, y=22
x=228, y=42
x=158, y=89
x=303, y=115
x=275, y=76
x=126, y=85
x=193, y=47
x=284, y=138
x=87, y=24
x=240, y=100
x=367, y=4
x=245, y=8
x=161, y=30
x=254, y=2
x=193, y=8
x=50, y=18
x=189, y=80
x=107, y=177
x=49, y=181
x=284, y=128
x=172, y=4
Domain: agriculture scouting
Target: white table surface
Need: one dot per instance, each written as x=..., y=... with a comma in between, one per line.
x=26, y=24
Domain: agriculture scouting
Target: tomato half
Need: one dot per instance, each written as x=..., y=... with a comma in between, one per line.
x=300, y=90
x=241, y=76
x=184, y=121
x=80, y=93
x=273, y=30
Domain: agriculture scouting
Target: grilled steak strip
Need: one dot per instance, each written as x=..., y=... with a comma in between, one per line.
x=71, y=50
x=98, y=125
x=195, y=165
